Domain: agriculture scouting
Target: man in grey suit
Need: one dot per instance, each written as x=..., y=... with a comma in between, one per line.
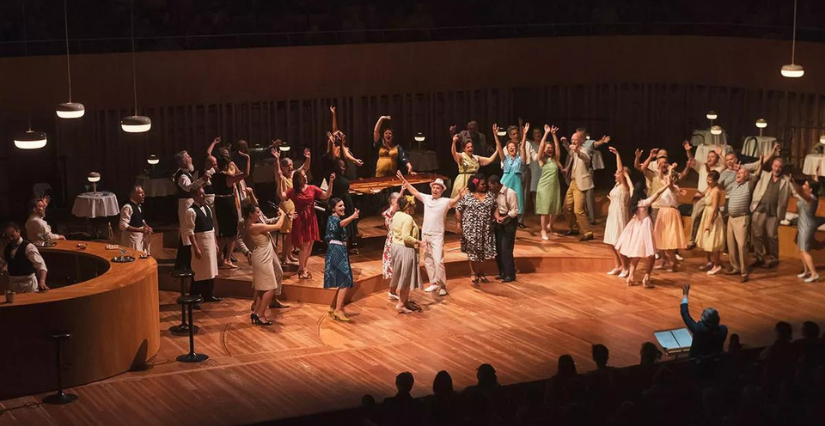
x=770, y=201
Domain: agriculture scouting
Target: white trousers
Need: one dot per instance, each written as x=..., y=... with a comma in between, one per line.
x=434, y=258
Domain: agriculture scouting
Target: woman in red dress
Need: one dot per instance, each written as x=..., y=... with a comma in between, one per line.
x=304, y=226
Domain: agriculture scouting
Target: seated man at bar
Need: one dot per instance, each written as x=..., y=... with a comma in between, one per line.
x=27, y=271
x=135, y=232
x=36, y=226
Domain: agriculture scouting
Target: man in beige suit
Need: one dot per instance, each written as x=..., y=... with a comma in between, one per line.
x=770, y=201
x=581, y=180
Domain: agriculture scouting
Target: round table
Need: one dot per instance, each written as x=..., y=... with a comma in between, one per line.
x=95, y=204
x=423, y=161
x=703, y=150
x=156, y=187
x=757, y=146
x=812, y=161
x=703, y=137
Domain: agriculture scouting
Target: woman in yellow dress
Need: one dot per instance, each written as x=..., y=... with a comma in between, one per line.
x=468, y=163
x=711, y=238
x=390, y=155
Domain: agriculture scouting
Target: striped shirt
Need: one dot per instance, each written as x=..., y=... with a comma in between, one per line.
x=739, y=198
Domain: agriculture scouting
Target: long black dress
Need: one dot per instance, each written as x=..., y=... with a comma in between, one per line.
x=340, y=189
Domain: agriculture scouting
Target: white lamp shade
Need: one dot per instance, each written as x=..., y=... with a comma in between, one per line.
x=761, y=123
x=420, y=137
x=284, y=147
x=792, y=71
x=30, y=139
x=716, y=130
x=153, y=159
x=71, y=110
x=711, y=115
x=502, y=133
x=136, y=124
x=93, y=177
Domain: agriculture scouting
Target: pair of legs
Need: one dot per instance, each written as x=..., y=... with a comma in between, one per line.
x=304, y=250
x=696, y=219
x=338, y=302
x=590, y=199
x=714, y=263
x=547, y=225
x=260, y=302
x=505, y=244
x=634, y=264
x=228, y=245
x=668, y=257
x=808, y=267
x=286, y=251
x=766, y=238
x=619, y=262
x=434, y=262
x=737, y=239
x=574, y=210
x=476, y=273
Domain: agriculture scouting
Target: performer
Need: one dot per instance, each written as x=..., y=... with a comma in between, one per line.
x=267, y=274
x=340, y=190
x=548, y=191
x=199, y=231
x=337, y=149
x=596, y=163
x=405, y=270
x=637, y=240
x=668, y=231
x=703, y=168
x=770, y=202
x=386, y=258
x=225, y=208
x=26, y=268
x=435, y=214
x=210, y=167
x=468, y=163
x=36, y=226
x=739, y=195
x=505, y=225
x=284, y=172
x=474, y=218
x=135, y=233
x=512, y=161
x=304, y=226
x=337, y=269
x=532, y=173
x=581, y=180
x=806, y=204
x=712, y=238
x=185, y=184
x=390, y=155
x=617, y=215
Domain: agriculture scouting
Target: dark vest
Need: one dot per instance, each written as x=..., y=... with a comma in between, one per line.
x=19, y=265
x=203, y=222
x=137, y=215
x=181, y=194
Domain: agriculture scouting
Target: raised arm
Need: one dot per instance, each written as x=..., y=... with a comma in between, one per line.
x=522, y=151
x=483, y=161
x=307, y=158
x=498, y=141
x=406, y=186
x=688, y=151
x=689, y=165
x=556, y=146
x=260, y=228
x=458, y=197
x=212, y=145
x=542, y=145
x=279, y=181
x=376, y=134
x=328, y=192
x=602, y=141
x=456, y=155
x=345, y=222
x=334, y=119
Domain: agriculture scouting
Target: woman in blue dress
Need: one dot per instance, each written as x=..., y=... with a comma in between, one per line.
x=337, y=270
x=512, y=161
x=806, y=204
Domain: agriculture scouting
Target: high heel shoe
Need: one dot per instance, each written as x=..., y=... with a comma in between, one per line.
x=340, y=317
x=474, y=280
x=483, y=278
x=630, y=281
x=812, y=278
x=257, y=320
x=252, y=317
x=646, y=282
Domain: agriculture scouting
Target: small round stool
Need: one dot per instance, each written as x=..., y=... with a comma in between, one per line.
x=187, y=302
x=60, y=397
x=182, y=329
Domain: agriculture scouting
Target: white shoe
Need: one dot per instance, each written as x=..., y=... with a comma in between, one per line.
x=393, y=296
x=706, y=266
x=812, y=279
x=802, y=275
x=624, y=274
x=442, y=291
x=614, y=271
x=714, y=271
x=431, y=288
x=679, y=257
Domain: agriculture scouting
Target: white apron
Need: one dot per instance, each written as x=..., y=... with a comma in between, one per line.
x=183, y=206
x=206, y=267
x=136, y=240
x=26, y=284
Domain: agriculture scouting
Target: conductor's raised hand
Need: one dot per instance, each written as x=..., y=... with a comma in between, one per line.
x=686, y=289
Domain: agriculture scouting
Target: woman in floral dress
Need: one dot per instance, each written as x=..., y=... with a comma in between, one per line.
x=474, y=222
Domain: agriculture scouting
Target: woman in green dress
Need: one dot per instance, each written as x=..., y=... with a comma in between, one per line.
x=468, y=163
x=548, y=192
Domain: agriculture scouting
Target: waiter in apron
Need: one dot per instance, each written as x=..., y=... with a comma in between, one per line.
x=199, y=232
x=135, y=232
x=27, y=271
x=185, y=183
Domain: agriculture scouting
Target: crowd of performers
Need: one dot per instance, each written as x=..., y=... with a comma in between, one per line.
x=218, y=213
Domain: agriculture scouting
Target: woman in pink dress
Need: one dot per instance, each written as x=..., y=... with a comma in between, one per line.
x=304, y=226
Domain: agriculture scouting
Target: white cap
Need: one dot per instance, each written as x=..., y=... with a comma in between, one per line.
x=439, y=181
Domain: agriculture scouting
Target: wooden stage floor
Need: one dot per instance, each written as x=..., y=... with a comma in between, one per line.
x=307, y=363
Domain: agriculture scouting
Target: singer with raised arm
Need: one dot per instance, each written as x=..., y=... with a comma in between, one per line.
x=391, y=156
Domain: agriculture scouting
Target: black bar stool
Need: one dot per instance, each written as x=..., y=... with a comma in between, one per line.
x=187, y=302
x=60, y=397
x=182, y=329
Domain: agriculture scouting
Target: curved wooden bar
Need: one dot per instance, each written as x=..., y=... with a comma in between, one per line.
x=111, y=312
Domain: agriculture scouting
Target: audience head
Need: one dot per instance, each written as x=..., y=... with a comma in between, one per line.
x=340, y=167
x=368, y=401
x=197, y=194
x=566, y=366
x=710, y=317
x=486, y=375
x=337, y=207
x=183, y=160
x=11, y=232
x=661, y=164
x=811, y=187
x=776, y=167
x=137, y=195
x=477, y=183
x=649, y=353
x=600, y=355
x=406, y=204
x=286, y=166
x=810, y=330
x=443, y=383
x=437, y=188
x=735, y=344
x=387, y=134
x=784, y=331
x=639, y=194
x=404, y=382
x=549, y=151
x=536, y=134
x=494, y=184
x=223, y=162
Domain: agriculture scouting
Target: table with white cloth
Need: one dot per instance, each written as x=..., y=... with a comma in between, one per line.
x=812, y=161
x=423, y=160
x=156, y=187
x=703, y=150
x=757, y=146
x=95, y=204
x=703, y=137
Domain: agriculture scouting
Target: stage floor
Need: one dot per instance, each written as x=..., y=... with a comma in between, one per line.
x=308, y=363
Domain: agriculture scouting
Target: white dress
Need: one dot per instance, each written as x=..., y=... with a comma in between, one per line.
x=617, y=214
x=636, y=240
x=266, y=268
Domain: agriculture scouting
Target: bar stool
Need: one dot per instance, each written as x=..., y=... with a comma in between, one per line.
x=60, y=397
x=187, y=302
x=182, y=329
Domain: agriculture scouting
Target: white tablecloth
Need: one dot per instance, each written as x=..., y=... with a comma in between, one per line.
x=423, y=161
x=812, y=161
x=703, y=137
x=703, y=150
x=757, y=146
x=92, y=205
x=156, y=187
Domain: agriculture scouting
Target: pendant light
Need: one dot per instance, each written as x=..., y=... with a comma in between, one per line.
x=30, y=139
x=793, y=70
x=761, y=124
x=69, y=109
x=135, y=123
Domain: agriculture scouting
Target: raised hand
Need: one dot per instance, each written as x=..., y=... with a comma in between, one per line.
x=307, y=153
x=217, y=140
x=553, y=129
x=653, y=152
x=639, y=153
x=456, y=137
x=332, y=109
x=453, y=129
x=386, y=117
x=526, y=127
x=331, y=178
x=547, y=129
x=686, y=289
x=355, y=214
x=495, y=129
x=613, y=150
x=686, y=145
x=605, y=139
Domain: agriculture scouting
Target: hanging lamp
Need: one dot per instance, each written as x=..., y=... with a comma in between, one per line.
x=30, y=139
x=135, y=123
x=793, y=70
x=69, y=109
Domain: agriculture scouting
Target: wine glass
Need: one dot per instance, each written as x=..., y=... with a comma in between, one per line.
x=122, y=253
x=87, y=188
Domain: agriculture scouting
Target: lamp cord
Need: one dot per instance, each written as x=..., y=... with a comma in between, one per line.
x=793, y=37
x=68, y=59
x=134, y=72
x=26, y=53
